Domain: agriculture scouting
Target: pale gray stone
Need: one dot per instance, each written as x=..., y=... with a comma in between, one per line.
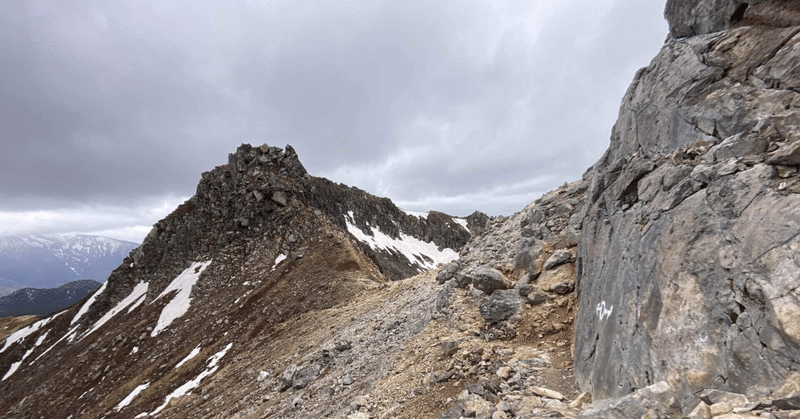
x=287, y=377
x=737, y=145
x=488, y=280
x=656, y=401
x=280, y=198
x=697, y=17
x=501, y=305
x=536, y=296
x=714, y=396
x=546, y=392
x=559, y=257
x=347, y=379
x=447, y=272
x=305, y=376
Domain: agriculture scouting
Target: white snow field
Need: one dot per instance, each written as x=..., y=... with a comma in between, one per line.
x=88, y=303
x=127, y=400
x=16, y=365
x=463, y=223
x=412, y=248
x=191, y=384
x=27, y=331
x=180, y=303
x=191, y=355
x=281, y=257
x=138, y=291
x=418, y=214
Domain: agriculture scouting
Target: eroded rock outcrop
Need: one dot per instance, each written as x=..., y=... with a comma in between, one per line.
x=687, y=264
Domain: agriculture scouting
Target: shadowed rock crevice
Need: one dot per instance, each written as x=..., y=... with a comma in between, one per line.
x=738, y=14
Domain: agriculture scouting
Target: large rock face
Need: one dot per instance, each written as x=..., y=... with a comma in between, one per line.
x=698, y=17
x=687, y=265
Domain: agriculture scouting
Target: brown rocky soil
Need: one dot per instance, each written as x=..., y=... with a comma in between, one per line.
x=9, y=325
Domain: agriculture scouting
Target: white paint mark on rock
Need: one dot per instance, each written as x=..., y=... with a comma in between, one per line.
x=602, y=311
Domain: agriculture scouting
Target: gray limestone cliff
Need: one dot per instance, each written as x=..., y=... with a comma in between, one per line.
x=687, y=267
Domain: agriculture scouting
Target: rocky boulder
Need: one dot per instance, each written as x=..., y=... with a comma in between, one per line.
x=501, y=305
x=447, y=272
x=488, y=280
x=517, y=243
x=692, y=17
x=656, y=401
x=559, y=257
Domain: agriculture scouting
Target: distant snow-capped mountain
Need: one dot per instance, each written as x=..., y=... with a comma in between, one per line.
x=48, y=262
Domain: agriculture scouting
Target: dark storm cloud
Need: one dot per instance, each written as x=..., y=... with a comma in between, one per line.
x=449, y=105
x=92, y=110
x=541, y=108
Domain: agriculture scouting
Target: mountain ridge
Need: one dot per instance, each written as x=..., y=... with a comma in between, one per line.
x=43, y=302
x=49, y=262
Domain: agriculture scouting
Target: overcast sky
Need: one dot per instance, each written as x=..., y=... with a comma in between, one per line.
x=111, y=110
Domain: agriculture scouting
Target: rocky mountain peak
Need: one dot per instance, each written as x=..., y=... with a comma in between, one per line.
x=263, y=198
x=254, y=160
x=261, y=247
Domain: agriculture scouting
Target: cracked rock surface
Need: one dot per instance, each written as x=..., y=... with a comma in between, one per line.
x=687, y=263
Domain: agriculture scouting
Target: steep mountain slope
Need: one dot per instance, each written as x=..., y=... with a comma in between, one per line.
x=41, y=302
x=49, y=262
x=232, y=272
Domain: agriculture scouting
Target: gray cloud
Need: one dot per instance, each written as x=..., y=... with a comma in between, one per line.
x=449, y=105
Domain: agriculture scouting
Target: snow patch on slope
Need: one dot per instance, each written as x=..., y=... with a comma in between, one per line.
x=463, y=223
x=41, y=338
x=180, y=303
x=191, y=355
x=88, y=303
x=137, y=303
x=418, y=214
x=138, y=291
x=126, y=401
x=410, y=247
x=16, y=365
x=69, y=333
x=278, y=260
x=184, y=389
x=27, y=331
